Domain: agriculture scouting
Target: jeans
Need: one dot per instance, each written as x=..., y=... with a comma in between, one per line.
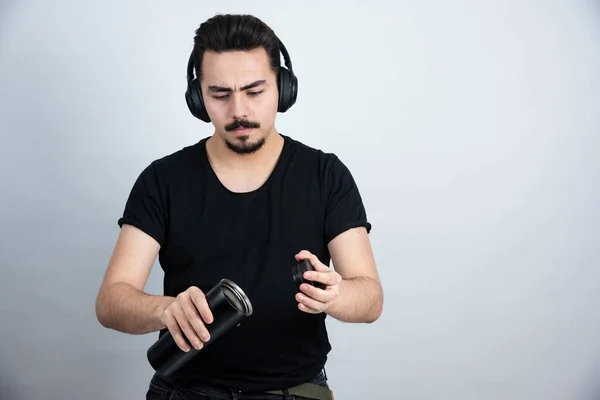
x=160, y=389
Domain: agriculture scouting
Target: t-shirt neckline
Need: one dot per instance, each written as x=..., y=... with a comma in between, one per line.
x=274, y=173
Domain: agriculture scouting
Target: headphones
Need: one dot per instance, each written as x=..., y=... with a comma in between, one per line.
x=287, y=84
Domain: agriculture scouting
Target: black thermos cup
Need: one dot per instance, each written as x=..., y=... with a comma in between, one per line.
x=229, y=306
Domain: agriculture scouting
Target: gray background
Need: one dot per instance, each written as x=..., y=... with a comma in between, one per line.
x=471, y=128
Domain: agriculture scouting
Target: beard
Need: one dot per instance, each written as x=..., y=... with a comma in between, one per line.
x=242, y=143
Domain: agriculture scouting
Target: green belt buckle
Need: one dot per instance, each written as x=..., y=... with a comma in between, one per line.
x=308, y=390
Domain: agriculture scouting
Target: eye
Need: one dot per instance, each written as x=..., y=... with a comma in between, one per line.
x=255, y=93
x=221, y=97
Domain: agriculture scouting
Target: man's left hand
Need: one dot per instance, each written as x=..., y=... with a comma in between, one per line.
x=313, y=300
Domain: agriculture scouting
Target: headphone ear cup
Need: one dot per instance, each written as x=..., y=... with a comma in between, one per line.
x=193, y=98
x=288, y=89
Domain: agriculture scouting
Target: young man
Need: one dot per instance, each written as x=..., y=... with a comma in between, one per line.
x=246, y=204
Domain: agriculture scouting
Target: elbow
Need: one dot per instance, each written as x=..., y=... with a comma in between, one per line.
x=376, y=311
x=101, y=314
x=101, y=310
x=374, y=315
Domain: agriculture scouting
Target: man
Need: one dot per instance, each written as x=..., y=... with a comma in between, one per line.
x=246, y=204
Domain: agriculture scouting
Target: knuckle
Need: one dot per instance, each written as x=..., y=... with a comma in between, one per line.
x=195, y=291
x=176, y=335
x=198, y=331
x=197, y=324
x=184, y=327
x=204, y=308
x=172, y=329
x=198, y=299
x=201, y=305
x=189, y=309
x=179, y=339
x=207, y=316
x=183, y=322
x=190, y=334
x=182, y=344
x=203, y=333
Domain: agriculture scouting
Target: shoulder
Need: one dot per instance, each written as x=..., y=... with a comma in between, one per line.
x=331, y=173
x=173, y=166
x=342, y=200
x=181, y=158
x=150, y=196
x=325, y=162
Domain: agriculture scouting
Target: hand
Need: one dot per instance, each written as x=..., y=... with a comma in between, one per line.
x=313, y=300
x=188, y=312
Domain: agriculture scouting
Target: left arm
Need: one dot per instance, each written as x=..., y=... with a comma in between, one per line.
x=353, y=291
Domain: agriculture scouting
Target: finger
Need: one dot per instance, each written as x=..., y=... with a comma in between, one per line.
x=328, y=278
x=191, y=313
x=310, y=303
x=184, y=323
x=319, y=266
x=314, y=261
x=199, y=300
x=320, y=295
x=303, y=254
x=189, y=332
x=308, y=310
x=176, y=333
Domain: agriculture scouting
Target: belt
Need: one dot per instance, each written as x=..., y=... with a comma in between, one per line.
x=308, y=390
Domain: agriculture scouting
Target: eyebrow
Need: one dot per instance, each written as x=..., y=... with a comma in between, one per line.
x=218, y=89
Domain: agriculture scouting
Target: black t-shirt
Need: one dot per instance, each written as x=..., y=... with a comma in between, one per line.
x=208, y=233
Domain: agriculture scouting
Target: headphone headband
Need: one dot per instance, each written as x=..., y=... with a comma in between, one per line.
x=190, y=68
x=286, y=58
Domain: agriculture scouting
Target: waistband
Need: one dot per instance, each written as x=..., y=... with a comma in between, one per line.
x=317, y=388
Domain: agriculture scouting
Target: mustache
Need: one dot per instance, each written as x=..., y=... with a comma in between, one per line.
x=241, y=123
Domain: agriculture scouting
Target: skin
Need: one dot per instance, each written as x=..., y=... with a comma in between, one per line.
x=241, y=86
x=353, y=291
x=237, y=86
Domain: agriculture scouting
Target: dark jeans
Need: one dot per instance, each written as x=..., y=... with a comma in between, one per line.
x=160, y=389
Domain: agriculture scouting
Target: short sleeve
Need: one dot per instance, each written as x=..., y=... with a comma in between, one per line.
x=344, y=205
x=145, y=207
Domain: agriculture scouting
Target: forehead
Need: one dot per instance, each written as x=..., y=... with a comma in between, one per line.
x=235, y=66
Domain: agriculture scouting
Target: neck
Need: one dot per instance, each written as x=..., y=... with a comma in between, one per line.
x=219, y=154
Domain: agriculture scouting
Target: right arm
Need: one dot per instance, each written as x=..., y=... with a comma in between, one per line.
x=121, y=303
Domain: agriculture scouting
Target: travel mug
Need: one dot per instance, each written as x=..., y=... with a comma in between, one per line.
x=229, y=306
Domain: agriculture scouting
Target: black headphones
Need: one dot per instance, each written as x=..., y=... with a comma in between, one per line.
x=287, y=85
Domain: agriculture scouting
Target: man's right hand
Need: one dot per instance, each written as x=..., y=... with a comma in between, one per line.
x=187, y=315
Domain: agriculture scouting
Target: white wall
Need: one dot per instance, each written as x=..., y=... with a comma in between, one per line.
x=471, y=128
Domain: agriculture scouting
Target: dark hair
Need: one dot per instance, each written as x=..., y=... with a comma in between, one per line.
x=229, y=32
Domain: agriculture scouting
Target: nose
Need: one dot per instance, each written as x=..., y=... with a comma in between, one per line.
x=238, y=106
